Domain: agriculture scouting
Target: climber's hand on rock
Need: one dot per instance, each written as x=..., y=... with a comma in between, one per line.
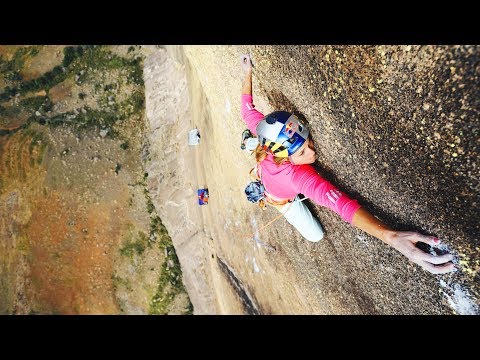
x=405, y=241
x=246, y=63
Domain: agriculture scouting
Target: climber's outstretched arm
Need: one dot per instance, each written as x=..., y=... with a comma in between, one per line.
x=404, y=242
x=247, y=72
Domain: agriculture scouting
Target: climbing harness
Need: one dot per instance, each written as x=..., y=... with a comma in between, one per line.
x=256, y=193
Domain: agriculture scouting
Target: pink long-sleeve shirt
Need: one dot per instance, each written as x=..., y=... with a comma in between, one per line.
x=287, y=180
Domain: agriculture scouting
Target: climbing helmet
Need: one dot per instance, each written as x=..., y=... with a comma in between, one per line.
x=281, y=133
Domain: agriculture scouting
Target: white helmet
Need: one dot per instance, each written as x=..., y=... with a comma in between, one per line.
x=281, y=133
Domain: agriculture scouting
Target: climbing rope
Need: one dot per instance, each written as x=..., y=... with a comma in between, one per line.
x=252, y=235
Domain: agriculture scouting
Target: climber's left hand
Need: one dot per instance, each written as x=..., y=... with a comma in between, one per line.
x=405, y=241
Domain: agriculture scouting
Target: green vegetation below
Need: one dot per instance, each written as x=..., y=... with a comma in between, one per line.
x=87, y=64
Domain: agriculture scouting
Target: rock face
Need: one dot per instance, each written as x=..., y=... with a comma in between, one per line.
x=396, y=127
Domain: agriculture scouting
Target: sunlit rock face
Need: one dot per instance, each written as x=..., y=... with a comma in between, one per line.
x=395, y=127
